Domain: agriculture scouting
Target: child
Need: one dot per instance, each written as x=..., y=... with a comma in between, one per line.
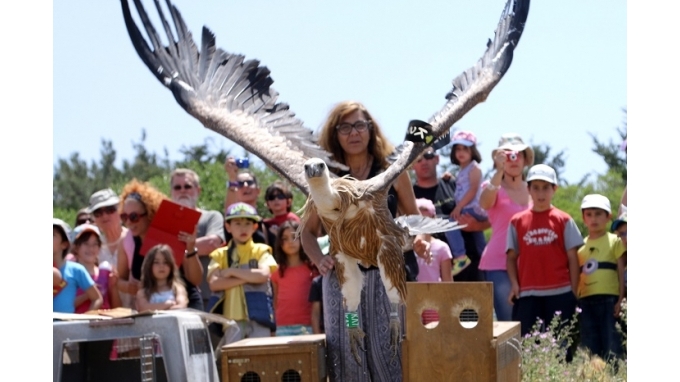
x=86, y=246
x=74, y=275
x=161, y=285
x=620, y=228
x=291, y=283
x=279, y=201
x=464, y=153
x=241, y=270
x=438, y=267
x=601, y=286
x=542, y=262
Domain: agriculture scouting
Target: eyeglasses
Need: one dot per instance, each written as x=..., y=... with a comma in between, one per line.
x=345, y=128
x=104, y=210
x=246, y=183
x=277, y=196
x=186, y=186
x=428, y=155
x=133, y=217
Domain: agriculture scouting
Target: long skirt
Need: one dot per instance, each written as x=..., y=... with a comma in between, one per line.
x=378, y=362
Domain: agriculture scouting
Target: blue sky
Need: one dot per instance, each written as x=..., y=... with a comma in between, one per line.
x=568, y=77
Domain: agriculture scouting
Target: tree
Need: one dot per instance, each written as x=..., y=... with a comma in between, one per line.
x=611, y=151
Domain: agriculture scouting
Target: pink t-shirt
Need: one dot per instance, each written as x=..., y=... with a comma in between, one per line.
x=292, y=304
x=432, y=272
x=494, y=257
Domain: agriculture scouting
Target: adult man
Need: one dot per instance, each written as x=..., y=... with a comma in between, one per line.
x=185, y=190
x=429, y=186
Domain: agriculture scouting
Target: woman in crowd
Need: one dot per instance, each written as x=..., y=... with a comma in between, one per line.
x=139, y=203
x=504, y=195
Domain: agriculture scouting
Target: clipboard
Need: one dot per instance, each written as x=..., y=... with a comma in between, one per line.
x=170, y=219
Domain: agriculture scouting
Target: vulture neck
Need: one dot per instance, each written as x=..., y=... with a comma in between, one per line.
x=324, y=196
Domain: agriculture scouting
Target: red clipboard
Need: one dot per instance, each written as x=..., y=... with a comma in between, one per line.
x=170, y=219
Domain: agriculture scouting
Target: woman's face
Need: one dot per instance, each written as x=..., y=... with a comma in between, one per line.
x=355, y=142
x=135, y=211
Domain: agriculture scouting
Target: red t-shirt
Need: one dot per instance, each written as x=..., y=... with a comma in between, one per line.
x=278, y=220
x=541, y=240
x=292, y=303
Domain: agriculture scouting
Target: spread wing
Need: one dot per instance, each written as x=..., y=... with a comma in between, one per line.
x=469, y=88
x=228, y=94
x=419, y=224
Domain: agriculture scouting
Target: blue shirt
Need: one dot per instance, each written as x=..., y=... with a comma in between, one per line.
x=76, y=277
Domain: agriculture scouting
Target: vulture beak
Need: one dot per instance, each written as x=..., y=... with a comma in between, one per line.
x=315, y=168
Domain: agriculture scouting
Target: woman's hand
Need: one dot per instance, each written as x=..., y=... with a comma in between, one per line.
x=231, y=168
x=455, y=214
x=133, y=286
x=499, y=160
x=326, y=265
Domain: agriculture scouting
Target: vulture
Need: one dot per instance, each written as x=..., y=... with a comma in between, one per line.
x=233, y=97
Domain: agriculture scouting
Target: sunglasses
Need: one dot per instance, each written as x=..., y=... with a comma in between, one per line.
x=277, y=196
x=104, y=210
x=246, y=183
x=83, y=221
x=178, y=187
x=428, y=155
x=133, y=217
x=622, y=234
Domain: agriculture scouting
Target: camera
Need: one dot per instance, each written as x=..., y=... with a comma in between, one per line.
x=242, y=163
x=512, y=155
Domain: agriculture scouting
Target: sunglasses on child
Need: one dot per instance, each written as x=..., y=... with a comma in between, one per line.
x=277, y=196
x=178, y=187
x=104, y=210
x=428, y=155
x=133, y=217
x=246, y=183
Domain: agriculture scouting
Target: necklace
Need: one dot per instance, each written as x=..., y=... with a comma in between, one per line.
x=363, y=174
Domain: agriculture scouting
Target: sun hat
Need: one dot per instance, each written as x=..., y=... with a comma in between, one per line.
x=242, y=210
x=513, y=142
x=618, y=222
x=542, y=172
x=426, y=204
x=81, y=229
x=464, y=138
x=63, y=226
x=103, y=198
x=596, y=201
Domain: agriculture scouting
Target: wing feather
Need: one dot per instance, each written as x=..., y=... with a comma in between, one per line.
x=469, y=88
x=419, y=224
x=227, y=93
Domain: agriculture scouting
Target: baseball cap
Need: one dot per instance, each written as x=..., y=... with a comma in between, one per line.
x=241, y=210
x=81, y=229
x=542, y=172
x=596, y=201
x=513, y=142
x=464, y=138
x=103, y=198
x=616, y=223
x=63, y=226
x=426, y=204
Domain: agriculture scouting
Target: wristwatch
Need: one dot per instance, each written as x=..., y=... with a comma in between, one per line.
x=188, y=255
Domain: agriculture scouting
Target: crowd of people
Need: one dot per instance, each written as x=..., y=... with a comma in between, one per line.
x=258, y=272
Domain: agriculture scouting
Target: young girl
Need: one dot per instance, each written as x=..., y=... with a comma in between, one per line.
x=87, y=243
x=438, y=268
x=291, y=283
x=162, y=288
x=73, y=275
x=464, y=153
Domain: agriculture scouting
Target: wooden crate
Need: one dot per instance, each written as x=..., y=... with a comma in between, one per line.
x=472, y=349
x=275, y=359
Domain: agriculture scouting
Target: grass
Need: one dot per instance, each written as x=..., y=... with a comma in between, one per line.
x=544, y=355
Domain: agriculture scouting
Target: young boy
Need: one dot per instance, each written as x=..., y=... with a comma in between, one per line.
x=241, y=270
x=74, y=275
x=601, y=285
x=542, y=263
